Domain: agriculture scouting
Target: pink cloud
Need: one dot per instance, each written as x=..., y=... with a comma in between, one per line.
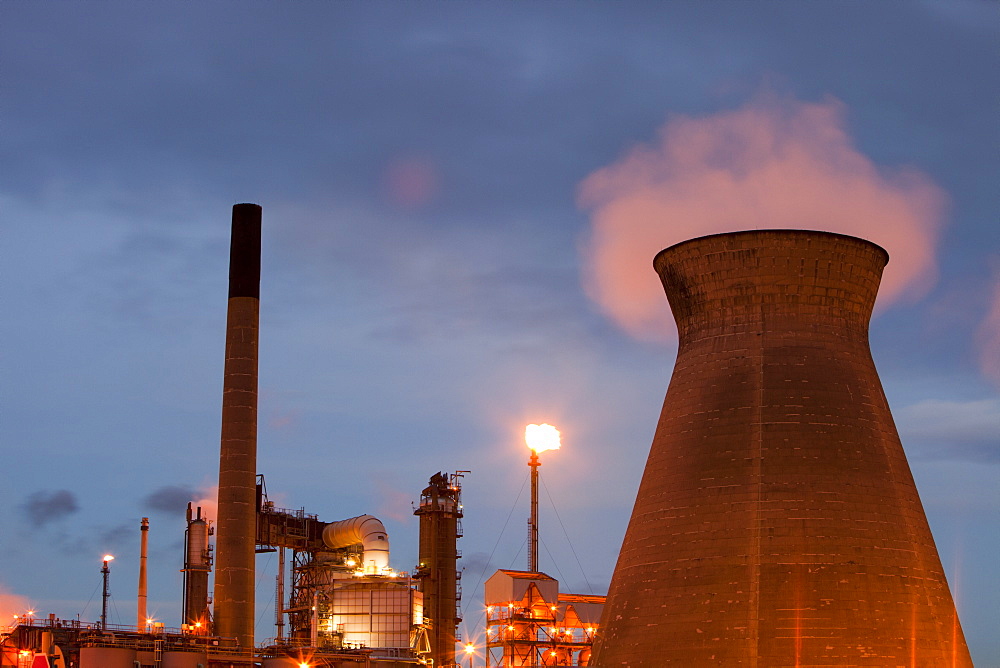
x=410, y=182
x=208, y=501
x=775, y=163
x=11, y=604
x=988, y=334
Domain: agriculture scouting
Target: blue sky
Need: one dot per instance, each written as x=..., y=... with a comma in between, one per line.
x=427, y=264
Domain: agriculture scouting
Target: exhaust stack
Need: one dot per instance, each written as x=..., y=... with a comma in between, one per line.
x=236, y=524
x=140, y=618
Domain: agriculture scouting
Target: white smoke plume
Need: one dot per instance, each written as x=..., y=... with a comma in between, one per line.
x=775, y=163
x=11, y=604
x=988, y=333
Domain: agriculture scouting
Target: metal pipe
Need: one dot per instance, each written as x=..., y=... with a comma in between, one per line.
x=140, y=623
x=237, y=520
x=105, y=573
x=534, y=463
x=279, y=596
x=364, y=529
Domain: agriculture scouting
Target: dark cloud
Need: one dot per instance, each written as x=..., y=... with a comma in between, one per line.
x=952, y=430
x=115, y=537
x=44, y=507
x=172, y=499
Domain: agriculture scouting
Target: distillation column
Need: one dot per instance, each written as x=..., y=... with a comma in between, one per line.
x=236, y=525
x=440, y=514
x=197, y=566
x=777, y=522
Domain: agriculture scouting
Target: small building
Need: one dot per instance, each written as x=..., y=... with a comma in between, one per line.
x=530, y=623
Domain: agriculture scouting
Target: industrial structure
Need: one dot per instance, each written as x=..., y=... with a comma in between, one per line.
x=529, y=622
x=345, y=606
x=777, y=522
x=440, y=513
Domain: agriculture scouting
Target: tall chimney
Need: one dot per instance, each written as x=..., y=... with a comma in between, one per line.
x=237, y=521
x=777, y=522
x=140, y=623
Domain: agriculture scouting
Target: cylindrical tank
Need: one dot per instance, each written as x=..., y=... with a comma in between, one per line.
x=777, y=522
x=237, y=512
x=197, y=566
x=107, y=657
x=184, y=660
x=280, y=662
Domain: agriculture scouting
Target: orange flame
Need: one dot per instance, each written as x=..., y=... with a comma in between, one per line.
x=542, y=437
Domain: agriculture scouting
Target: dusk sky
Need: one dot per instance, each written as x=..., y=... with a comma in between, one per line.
x=461, y=203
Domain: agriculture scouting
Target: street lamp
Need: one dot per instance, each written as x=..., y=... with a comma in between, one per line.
x=105, y=571
x=470, y=649
x=539, y=437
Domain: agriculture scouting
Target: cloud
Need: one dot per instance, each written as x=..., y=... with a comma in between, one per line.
x=208, y=500
x=45, y=507
x=774, y=163
x=952, y=430
x=11, y=604
x=393, y=503
x=171, y=499
x=988, y=334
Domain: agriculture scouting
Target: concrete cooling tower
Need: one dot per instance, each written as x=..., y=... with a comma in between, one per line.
x=777, y=522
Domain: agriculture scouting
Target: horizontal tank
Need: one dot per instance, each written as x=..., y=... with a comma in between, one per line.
x=107, y=657
x=184, y=660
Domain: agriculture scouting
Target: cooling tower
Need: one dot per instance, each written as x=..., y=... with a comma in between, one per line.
x=777, y=523
x=237, y=522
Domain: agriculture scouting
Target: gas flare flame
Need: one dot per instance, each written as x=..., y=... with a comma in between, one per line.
x=542, y=437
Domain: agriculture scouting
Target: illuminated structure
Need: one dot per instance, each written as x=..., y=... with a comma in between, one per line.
x=440, y=513
x=197, y=566
x=777, y=523
x=529, y=623
x=538, y=437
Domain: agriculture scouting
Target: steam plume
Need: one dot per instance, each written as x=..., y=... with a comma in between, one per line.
x=775, y=163
x=11, y=604
x=988, y=335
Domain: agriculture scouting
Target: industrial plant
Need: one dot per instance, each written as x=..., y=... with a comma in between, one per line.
x=776, y=524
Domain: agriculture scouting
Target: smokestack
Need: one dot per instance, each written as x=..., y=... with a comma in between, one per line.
x=777, y=522
x=236, y=524
x=140, y=617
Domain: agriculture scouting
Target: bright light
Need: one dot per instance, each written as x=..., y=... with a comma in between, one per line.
x=541, y=437
x=303, y=665
x=470, y=648
x=108, y=557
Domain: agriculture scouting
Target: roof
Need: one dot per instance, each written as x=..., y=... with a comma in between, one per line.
x=525, y=575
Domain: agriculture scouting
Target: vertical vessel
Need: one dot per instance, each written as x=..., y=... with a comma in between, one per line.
x=777, y=522
x=236, y=523
x=440, y=514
